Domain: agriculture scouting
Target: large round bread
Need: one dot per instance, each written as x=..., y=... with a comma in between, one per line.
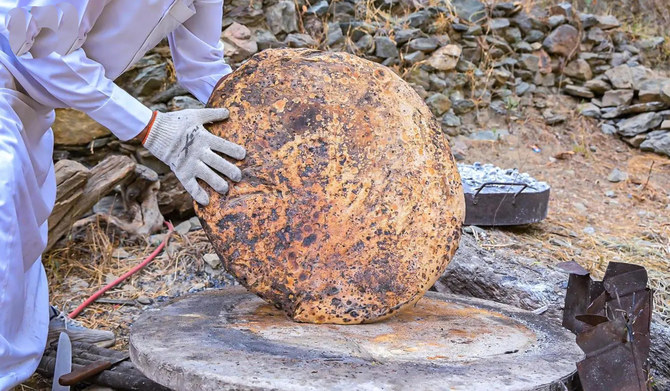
x=350, y=204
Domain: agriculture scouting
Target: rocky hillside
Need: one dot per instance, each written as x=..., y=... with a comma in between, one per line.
x=469, y=60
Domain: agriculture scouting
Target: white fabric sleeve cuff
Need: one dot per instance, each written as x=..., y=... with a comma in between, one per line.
x=122, y=114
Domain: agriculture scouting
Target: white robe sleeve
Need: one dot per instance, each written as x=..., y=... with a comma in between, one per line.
x=80, y=83
x=197, y=50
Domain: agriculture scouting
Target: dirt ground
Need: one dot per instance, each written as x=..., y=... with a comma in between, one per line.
x=584, y=224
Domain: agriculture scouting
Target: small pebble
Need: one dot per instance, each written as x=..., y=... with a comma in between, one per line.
x=610, y=194
x=617, y=176
x=589, y=230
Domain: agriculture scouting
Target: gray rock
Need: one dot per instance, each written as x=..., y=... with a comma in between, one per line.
x=418, y=19
x=620, y=59
x=556, y=20
x=551, y=118
x=469, y=10
x=608, y=129
x=534, y=36
x=405, y=35
x=334, y=35
x=423, y=44
x=596, y=36
x=489, y=135
x=579, y=69
x=640, y=123
x=548, y=80
x=607, y=22
x=438, y=104
x=183, y=228
x=512, y=34
x=366, y=44
x=657, y=141
x=266, y=40
x=445, y=58
x=598, y=86
x=529, y=62
x=650, y=43
x=300, y=41
x=523, y=47
x=665, y=93
x=238, y=42
x=522, y=88
x=451, y=120
x=414, y=57
x=522, y=21
x=665, y=125
x=498, y=23
x=420, y=77
x=356, y=29
x=620, y=77
x=578, y=91
x=282, y=17
x=589, y=230
x=635, y=109
x=635, y=141
x=150, y=80
x=615, y=98
x=503, y=9
x=437, y=83
x=184, y=102
x=588, y=20
x=343, y=10
x=589, y=110
x=610, y=194
x=212, y=260
x=385, y=48
x=651, y=90
x=617, y=176
x=319, y=9
x=463, y=106
x=562, y=41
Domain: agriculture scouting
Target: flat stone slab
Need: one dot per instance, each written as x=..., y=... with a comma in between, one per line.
x=230, y=339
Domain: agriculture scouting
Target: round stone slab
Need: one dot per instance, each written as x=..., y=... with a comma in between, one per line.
x=230, y=339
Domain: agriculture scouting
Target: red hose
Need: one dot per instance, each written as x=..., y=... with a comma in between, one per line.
x=132, y=271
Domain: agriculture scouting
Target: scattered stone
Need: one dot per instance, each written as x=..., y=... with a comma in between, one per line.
x=463, y=106
x=282, y=17
x=562, y=41
x=469, y=10
x=530, y=62
x=657, y=141
x=366, y=44
x=513, y=35
x=183, y=228
x=150, y=80
x=300, y=41
x=578, y=91
x=445, y=58
x=498, y=23
x=266, y=40
x=385, y=47
x=635, y=109
x=423, y=44
x=650, y=90
x=439, y=103
x=665, y=93
x=414, y=57
x=534, y=36
x=319, y=9
x=607, y=22
x=650, y=43
x=212, y=260
x=523, y=47
x=145, y=300
x=556, y=20
x=551, y=118
x=615, y=98
x=617, y=176
x=608, y=129
x=489, y=135
x=665, y=125
x=522, y=88
x=184, y=102
x=589, y=110
x=238, y=42
x=589, y=230
x=598, y=86
x=405, y=35
x=640, y=123
x=579, y=69
x=451, y=120
x=620, y=77
x=610, y=194
x=334, y=35
x=635, y=141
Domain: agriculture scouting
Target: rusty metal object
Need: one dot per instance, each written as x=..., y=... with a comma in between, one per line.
x=229, y=339
x=612, y=321
x=351, y=205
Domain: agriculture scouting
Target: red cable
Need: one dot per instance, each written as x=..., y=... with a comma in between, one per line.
x=132, y=271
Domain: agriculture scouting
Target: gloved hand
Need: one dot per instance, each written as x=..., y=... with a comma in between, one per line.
x=179, y=140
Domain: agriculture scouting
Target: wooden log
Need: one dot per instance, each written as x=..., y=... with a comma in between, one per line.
x=76, y=198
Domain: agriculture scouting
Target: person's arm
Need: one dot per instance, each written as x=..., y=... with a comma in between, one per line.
x=197, y=50
x=80, y=83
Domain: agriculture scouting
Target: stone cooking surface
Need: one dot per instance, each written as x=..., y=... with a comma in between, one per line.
x=230, y=340
x=351, y=205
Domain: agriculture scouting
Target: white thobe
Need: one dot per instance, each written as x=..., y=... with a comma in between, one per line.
x=112, y=36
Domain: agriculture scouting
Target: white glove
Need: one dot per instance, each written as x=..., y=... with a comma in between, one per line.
x=179, y=140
